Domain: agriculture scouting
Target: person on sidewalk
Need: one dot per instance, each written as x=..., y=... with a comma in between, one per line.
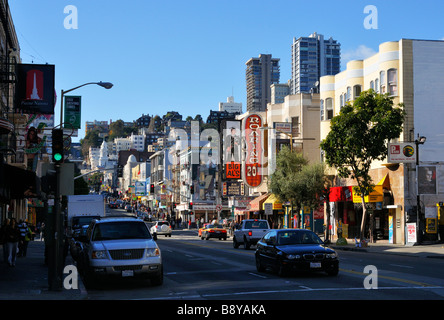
x=28, y=237
x=23, y=227
x=12, y=240
x=3, y=240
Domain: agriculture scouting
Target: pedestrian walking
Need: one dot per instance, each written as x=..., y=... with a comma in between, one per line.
x=12, y=240
x=23, y=244
x=3, y=241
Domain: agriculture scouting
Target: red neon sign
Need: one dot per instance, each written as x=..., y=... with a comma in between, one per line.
x=253, y=156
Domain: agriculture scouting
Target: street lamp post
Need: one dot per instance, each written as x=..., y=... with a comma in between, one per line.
x=55, y=270
x=106, y=85
x=418, y=141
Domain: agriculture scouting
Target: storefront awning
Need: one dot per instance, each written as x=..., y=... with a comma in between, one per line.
x=256, y=204
x=16, y=183
x=277, y=205
x=377, y=195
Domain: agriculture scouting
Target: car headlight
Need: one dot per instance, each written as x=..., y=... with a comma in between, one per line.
x=333, y=255
x=100, y=254
x=293, y=256
x=152, y=252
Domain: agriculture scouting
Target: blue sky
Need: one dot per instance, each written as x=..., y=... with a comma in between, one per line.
x=190, y=55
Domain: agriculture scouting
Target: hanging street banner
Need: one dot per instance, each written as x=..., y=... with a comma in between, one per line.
x=72, y=112
x=35, y=88
x=252, y=164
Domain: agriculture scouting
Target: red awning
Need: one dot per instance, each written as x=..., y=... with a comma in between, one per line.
x=340, y=194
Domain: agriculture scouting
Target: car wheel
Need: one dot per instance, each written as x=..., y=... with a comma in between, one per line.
x=281, y=271
x=259, y=266
x=235, y=243
x=158, y=280
x=246, y=245
x=333, y=272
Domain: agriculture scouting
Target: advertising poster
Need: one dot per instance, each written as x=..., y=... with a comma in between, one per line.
x=426, y=177
x=35, y=88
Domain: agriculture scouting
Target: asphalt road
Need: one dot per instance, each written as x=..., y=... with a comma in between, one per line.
x=196, y=269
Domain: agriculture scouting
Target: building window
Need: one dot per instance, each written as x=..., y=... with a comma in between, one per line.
x=341, y=100
x=329, y=108
x=377, y=85
x=356, y=91
x=382, y=81
x=372, y=85
x=322, y=110
x=392, y=77
x=348, y=94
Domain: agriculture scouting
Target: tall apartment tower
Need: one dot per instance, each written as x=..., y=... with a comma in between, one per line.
x=260, y=74
x=311, y=58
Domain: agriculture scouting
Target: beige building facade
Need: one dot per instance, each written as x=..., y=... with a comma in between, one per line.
x=412, y=72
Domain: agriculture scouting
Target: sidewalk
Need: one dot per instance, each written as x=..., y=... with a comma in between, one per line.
x=28, y=280
x=422, y=251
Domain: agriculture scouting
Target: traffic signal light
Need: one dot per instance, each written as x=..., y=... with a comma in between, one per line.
x=190, y=206
x=57, y=146
x=192, y=189
x=152, y=188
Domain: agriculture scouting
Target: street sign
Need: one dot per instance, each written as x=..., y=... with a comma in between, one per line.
x=72, y=112
x=268, y=208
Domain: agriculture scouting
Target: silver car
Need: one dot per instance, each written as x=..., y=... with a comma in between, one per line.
x=120, y=247
x=161, y=227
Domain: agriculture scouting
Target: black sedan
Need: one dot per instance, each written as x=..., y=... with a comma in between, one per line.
x=288, y=250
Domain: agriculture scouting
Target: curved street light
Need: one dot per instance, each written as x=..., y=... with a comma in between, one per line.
x=106, y=85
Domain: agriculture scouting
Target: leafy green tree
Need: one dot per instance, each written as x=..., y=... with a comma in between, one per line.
x=296, y=181
x=359, y=136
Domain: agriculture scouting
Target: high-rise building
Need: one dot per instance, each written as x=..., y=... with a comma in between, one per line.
x=311, y=58
x=260, y=74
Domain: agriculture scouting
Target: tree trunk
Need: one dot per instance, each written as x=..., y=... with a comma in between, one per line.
x=364, y=218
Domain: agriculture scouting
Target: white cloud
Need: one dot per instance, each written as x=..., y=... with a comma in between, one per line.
x=360, y=53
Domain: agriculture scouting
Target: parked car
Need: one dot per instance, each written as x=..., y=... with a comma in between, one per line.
x=128, y=208
x=288, y=250
x=162, y=227
x=214, y=231
x=120, y=247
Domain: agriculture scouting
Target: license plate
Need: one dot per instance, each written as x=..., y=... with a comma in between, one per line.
x=127, y=273
x=315, y=264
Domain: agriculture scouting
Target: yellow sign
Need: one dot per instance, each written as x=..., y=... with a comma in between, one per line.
x=274, y=200
x=376, y=195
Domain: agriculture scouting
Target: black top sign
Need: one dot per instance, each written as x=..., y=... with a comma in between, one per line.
x=35, y=88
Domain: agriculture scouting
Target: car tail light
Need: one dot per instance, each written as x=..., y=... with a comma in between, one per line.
x=250, y=233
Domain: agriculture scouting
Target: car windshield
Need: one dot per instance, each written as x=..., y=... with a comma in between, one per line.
x=214, y=226
x=81, y=221
x=160, y=223
x=256, y=225
x=120, y=230
x=297, y=237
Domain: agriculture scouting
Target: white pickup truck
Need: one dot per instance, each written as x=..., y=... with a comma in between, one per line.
x=249, y=232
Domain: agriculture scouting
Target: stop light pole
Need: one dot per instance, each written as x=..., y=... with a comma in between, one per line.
x=55, y=262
